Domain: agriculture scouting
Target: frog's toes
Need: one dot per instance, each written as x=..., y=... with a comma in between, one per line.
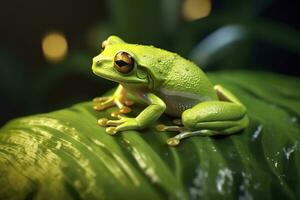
x=128, y=103
x=119, y=113
x=102, y=103
x=100, y=99
x=173, y=141
x=121, y=124
x=103, y=121
x=116, y=114
x=99, y=107
x=103, y=106
x=162, y=127
x=106, y=122
x=111, y=130
x=125, y=110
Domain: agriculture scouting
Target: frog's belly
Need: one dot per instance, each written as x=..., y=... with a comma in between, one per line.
x=177, y=102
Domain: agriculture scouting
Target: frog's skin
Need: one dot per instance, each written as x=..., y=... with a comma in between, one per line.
x=169, y=84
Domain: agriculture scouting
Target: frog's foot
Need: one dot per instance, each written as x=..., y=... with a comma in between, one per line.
x=174, y=141
x=178, y=126
x=119, y=113
x=103, y=103
x=183, y=133
x=163, y=128
x=121, y=124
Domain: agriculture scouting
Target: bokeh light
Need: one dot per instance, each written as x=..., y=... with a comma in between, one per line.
x=196, y=9
x=54, y=46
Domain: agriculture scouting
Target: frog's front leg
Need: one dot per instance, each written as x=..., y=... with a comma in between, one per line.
x=119, y=99
x=150, y=114
x=226, y=116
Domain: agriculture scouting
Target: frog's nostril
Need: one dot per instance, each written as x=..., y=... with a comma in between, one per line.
x=98, y=63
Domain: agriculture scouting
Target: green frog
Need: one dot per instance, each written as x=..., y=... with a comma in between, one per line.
x=166, y=83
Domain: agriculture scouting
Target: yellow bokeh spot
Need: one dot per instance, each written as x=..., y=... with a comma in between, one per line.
x=54, y=46
x=196, y=9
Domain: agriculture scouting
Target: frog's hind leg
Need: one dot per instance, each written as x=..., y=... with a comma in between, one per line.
x=223, y=117
x=211, y=118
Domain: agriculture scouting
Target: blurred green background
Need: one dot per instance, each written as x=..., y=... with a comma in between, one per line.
x=46, y=46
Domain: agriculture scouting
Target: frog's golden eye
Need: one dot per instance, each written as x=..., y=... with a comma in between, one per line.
x=124, y=62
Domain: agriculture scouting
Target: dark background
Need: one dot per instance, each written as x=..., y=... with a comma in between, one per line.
x=251, y=35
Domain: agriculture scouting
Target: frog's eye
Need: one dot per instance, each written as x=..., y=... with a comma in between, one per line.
x=124, y=62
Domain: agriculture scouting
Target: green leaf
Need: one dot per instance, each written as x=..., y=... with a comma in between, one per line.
x=66, y=155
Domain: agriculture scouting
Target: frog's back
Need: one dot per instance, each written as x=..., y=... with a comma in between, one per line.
x=185, y=76
x=185, y=86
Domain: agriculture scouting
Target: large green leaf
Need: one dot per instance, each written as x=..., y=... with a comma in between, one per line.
x=66, y=155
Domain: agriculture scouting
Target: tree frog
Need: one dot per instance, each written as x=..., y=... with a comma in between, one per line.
x=169, y=84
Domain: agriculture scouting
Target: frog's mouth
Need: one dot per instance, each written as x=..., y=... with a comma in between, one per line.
x=111, y=74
